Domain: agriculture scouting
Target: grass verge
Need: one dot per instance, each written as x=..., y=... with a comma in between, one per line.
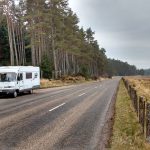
x=127, y=132
x=45, y=83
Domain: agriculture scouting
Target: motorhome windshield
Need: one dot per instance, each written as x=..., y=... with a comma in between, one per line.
x=7, y=77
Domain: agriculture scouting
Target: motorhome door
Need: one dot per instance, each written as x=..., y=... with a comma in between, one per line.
x=20, y=82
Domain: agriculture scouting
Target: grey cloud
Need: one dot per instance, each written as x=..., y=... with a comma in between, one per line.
x=121, y=26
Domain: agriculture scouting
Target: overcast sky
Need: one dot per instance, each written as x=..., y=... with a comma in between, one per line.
x=122, y=27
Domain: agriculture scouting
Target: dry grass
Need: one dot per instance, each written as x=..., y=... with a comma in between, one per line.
x=63, y=82
x=68, y=80
x=127, y=132
x=53, y=83
x=142, y=85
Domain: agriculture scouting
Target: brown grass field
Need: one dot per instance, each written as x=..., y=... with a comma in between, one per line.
x=141, y=84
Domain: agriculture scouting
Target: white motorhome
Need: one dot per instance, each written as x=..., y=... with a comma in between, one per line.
x=16, y=79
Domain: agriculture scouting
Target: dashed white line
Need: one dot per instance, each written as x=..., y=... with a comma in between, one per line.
x=81, y=94
x=57, y=107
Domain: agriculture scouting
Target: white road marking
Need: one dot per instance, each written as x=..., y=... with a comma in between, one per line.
x=96, y=87
x=81, y=94
x=57, y=107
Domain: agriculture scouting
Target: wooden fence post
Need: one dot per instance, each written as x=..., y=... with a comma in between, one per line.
x=138, y=108
x=148, y=122
x=142, y=112
x=145, y=119
x=136, y=101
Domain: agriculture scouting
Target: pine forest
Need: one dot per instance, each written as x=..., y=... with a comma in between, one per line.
x=46, y=33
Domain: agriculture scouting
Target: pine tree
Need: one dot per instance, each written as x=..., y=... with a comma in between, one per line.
x=50, y=28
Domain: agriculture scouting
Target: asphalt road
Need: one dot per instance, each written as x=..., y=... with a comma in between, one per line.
x=66, y=118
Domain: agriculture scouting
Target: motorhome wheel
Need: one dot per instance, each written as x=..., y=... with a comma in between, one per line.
x=15, y=94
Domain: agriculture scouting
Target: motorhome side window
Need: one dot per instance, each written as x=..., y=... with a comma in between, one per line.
x=29, y=75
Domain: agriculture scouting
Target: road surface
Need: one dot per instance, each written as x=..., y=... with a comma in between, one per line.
x=64, y=118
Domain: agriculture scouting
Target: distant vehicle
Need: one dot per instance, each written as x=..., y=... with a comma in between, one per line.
x=17, y=79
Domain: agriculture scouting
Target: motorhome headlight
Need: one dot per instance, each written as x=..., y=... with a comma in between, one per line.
x=9, y=87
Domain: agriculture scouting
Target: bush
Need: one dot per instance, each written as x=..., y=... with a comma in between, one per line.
x=46, y=68
x=84, y=72
x=94, y=78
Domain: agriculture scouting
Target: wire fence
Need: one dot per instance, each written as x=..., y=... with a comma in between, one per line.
x=142, y=108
